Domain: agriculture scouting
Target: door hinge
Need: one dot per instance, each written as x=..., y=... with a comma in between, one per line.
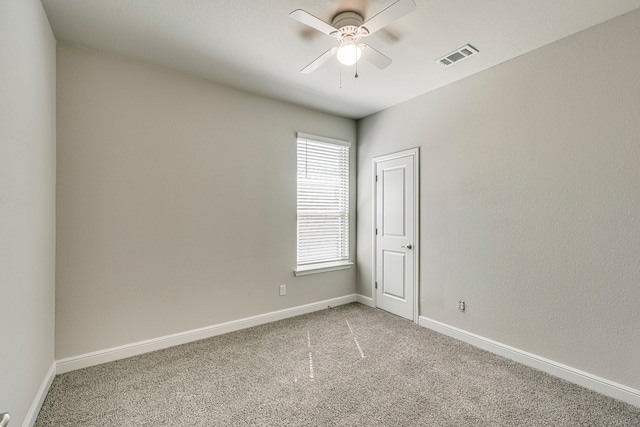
x=376, y=285
x=376, y=231
x=376, y=178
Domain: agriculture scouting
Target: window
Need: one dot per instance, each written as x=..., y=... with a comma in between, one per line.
x=323, y=204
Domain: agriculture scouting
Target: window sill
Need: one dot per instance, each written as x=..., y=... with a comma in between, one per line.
x=321, y=268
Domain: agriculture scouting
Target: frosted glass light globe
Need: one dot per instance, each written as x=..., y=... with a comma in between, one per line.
x=349, y=53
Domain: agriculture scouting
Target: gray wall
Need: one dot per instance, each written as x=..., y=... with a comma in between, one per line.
x=530, y=199
x=27, y=203
x=176, y=203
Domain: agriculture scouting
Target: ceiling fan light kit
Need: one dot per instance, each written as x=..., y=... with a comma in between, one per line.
x=348, y=53
x=348, y=28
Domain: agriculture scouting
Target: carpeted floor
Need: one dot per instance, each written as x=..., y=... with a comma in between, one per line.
x=347, y=366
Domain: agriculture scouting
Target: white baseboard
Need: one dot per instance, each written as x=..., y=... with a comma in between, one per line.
x=32, y=415
x=585, y=379
x=121, y=352
x=365, y=300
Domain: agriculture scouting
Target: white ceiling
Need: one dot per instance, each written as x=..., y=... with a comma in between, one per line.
x=254, y=45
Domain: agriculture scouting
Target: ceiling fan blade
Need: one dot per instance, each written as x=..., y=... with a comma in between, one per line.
x=319, y=61
x=376, y=58
x=392, y=13
x=310, y=20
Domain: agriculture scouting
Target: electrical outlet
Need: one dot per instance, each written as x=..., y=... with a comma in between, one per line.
x=462, y=305
x=283, y=290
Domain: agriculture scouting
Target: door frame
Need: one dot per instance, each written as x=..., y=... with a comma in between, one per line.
x=415, y=153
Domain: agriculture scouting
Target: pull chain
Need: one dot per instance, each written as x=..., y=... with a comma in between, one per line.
x=355, y=52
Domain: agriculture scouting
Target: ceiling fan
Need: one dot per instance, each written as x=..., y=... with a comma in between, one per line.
x=348, y=28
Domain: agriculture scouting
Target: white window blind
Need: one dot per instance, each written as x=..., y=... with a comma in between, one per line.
x=323, y=201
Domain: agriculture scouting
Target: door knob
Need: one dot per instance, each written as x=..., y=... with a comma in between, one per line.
x=409, y=246
x=4, y=419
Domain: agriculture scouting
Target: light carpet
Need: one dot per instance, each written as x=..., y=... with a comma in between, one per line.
x=347, y=366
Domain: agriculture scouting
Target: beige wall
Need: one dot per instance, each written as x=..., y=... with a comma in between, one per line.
x=176, y=203
x=27, y=203
x=530, y=200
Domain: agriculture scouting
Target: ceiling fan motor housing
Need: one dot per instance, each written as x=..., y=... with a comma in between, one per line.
x=349, y=24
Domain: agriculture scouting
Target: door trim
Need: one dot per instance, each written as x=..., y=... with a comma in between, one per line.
x=415, y=153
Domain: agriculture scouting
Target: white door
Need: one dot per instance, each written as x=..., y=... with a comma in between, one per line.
x=396, y=233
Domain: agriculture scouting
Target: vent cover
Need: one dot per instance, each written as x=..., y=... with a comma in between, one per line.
x=457, y=55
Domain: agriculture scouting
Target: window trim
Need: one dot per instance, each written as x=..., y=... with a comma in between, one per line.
x=306, y=270
x=302, y=135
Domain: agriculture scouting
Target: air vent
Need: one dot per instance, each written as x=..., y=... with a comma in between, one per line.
x=457, y=55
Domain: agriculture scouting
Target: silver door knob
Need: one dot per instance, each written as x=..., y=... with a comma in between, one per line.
x=409, y=246
x=4, y=419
